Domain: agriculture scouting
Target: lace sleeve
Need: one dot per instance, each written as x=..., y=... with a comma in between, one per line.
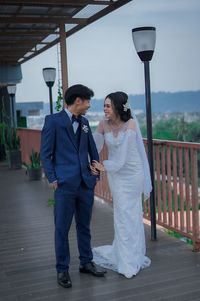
x=120, y=157
x=99, y=136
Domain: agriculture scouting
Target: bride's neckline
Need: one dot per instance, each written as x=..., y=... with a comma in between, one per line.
x=115, y=128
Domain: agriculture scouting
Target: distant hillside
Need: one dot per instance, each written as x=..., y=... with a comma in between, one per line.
x=162, y=102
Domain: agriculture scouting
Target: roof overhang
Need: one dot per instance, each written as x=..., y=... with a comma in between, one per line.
x=28, y=27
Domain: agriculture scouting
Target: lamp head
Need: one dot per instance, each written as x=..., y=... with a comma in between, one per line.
x=144, y=39
x=49, y=75
x=12, y=89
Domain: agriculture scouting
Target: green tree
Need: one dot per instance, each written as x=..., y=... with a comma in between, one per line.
x=165, y=129
x=182, y=129
x=193, y=133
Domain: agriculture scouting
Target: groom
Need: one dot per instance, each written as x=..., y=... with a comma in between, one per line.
x=67, y=152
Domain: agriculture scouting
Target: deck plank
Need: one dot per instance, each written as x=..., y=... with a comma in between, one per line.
x=27, y=261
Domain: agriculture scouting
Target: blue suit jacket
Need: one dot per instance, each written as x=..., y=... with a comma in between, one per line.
x=62, y=160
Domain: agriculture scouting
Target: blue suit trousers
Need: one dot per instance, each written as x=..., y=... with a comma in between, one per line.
x=69, y=202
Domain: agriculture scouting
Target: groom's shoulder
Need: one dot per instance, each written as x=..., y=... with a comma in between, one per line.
x=53, y=117
x=85, y=120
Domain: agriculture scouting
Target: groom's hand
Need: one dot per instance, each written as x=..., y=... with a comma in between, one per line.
x=55, y=185
x=93, y=170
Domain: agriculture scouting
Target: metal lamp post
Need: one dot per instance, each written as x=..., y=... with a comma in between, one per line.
x=11, y=91
x=144, y=39
x=49, y=75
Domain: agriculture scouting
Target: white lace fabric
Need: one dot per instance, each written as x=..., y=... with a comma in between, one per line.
x=126, y=178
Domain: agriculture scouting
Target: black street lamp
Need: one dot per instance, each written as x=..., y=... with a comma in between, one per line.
x=49, y=75
x=144, y=39
x=11, y=91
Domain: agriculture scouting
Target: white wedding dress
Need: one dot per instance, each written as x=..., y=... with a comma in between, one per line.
x=126, y=173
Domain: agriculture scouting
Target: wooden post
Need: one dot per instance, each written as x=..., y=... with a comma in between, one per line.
x=164, y=199
x=158, y=181
x=63, y=52
x=195, y=211
x=187, y=190
x=180, y=155
x=169, y=188
x=175, y=187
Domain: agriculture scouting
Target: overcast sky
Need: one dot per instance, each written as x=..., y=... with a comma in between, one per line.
x=102, y=55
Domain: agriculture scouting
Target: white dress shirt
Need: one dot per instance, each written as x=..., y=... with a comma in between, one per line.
x=75, y=123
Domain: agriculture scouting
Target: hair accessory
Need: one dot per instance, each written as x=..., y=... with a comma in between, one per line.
x=126, y=106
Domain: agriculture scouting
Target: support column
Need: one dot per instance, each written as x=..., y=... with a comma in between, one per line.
x=63, y=52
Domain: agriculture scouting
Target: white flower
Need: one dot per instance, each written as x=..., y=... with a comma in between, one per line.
x=85, y=128
x=126, y=106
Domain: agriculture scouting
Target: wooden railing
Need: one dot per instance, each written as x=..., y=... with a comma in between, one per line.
x=176, y=183
x=30, y=139
x=176, y=187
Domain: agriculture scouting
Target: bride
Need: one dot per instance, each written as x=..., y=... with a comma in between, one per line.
x=128, y=177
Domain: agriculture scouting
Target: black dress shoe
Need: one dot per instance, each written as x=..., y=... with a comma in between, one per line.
x=90, y=268
x=64, y=279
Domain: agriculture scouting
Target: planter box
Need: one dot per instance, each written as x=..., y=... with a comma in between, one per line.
x=35, y=174
x=14, y=159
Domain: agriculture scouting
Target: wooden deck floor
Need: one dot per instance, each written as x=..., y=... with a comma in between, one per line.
x=27, y=262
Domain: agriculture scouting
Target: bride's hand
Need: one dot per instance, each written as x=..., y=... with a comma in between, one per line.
x=98, y=165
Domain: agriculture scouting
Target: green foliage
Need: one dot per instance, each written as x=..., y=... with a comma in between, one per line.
x=182, y=129
x=173, y=128
x=193, y=132
x=9, y=138
x=177, y=235
x=93, y=128
x=143, y=130
x=176, y=129
x=34, y=160
x=21, y=120
x=165, y=129
x=51, y=202
x=59, y=99
x=164, y=135
x=3, y=133
x=3, y=126
x=12, y=140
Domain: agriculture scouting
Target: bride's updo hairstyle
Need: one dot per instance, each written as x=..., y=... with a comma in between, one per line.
x=119, y=101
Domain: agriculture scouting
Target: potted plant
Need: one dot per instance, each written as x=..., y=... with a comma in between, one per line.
x=13, y=149
x=34, y=169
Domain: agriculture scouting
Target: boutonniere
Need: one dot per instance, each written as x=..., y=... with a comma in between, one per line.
x=85, y=128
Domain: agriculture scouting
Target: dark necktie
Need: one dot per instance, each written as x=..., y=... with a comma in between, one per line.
x=77, y=119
